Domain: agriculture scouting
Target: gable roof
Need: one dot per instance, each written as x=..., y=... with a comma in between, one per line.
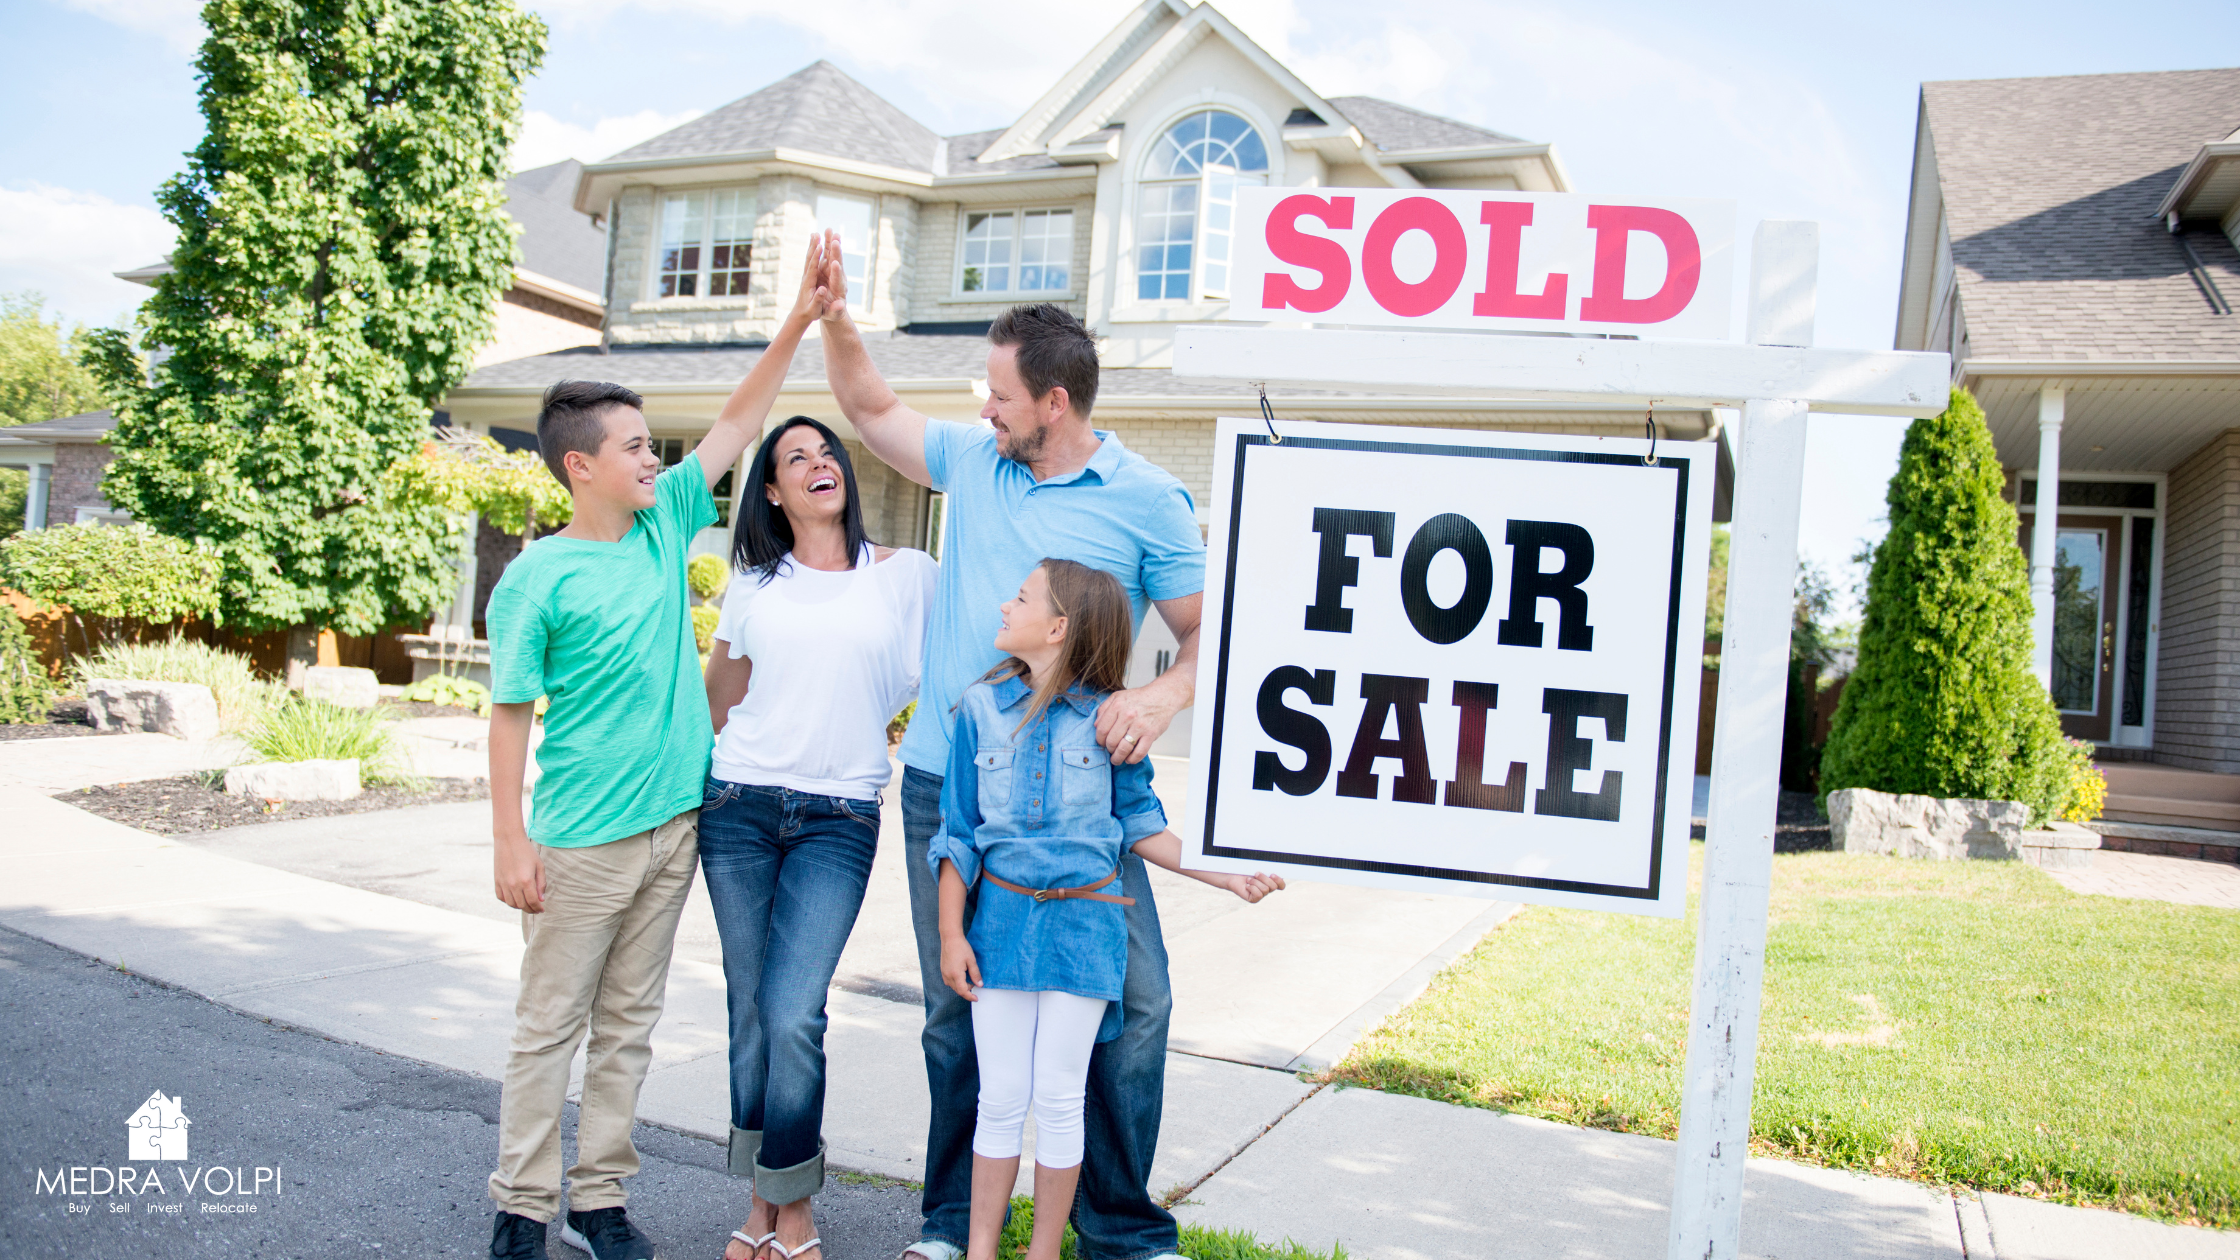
x=1396, y=128
x=2050, y=188
x=817, y=109
x=557, y=240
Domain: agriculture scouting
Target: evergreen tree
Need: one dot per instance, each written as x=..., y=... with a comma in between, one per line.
x=1942, y=702
x=343, y=244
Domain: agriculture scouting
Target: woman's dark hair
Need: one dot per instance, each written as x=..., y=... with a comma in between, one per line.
x=761, y=536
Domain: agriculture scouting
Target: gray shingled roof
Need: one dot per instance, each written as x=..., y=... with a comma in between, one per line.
x=818, y=110
x=2050, y=188
x=965, y=148
x=1394, y=127
x=90, y=424
x=556, y=239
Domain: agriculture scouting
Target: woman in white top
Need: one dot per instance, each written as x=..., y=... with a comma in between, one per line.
x=818, y=646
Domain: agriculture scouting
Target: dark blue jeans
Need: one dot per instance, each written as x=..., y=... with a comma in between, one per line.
x=786, y=873
x=1112, y=1209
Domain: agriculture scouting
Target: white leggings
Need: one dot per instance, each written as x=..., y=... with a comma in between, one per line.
x=1033, y=1045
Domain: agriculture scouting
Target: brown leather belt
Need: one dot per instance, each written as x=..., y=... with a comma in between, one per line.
x=1087, y=892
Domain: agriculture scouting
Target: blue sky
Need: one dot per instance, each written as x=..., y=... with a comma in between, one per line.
x=1792, y=111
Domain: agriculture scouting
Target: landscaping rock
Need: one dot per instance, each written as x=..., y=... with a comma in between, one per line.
x=2060, y=847
x=343, y=685
x=183, y=710
x=1866, y=821
x=296, y=780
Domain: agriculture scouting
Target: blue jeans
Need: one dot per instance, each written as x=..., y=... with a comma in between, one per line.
x=786, y=874
x=1112, y=1209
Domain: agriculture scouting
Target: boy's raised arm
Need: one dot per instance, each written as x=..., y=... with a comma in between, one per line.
x=740, y=421
x=895, y=433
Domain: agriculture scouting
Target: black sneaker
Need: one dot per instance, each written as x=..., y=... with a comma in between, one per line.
x=517, y=1238
x=607, y=1234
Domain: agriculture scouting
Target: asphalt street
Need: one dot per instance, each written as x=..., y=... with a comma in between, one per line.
x=298, y=1145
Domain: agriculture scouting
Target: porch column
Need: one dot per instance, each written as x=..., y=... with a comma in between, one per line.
x=35, y=502
x=2052, y=403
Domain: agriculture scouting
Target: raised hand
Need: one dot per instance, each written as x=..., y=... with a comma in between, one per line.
x=810, y=302
x=833, y=290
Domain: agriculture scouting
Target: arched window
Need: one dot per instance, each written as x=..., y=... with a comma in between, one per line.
x=1186, y=208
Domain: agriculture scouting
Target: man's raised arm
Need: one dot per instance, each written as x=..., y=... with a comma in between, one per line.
x=895, y=433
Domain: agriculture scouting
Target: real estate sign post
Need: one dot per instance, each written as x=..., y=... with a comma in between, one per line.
x=1307, y=560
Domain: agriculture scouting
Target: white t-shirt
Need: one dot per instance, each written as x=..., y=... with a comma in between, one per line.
x=835, y=655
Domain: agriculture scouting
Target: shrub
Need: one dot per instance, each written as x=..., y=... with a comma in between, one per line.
x=707, y=576
x=704, y=619
x=314, y=730
x=1943, y=701
x=25, y=693
x=242, y=696
x=451, y=689
x=900, y=722
x=110, y=572
x=2088, y=788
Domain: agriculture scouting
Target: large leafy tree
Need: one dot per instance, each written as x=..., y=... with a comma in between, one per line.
x=1943, y=701
x=342, y=247
x=43, y=375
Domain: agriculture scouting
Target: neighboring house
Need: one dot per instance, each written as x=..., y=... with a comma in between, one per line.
x=2071, y=245
x=1111, y=195
x=554, y=304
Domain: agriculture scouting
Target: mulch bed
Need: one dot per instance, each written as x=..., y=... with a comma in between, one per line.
x=189, y=803
x=66, y=719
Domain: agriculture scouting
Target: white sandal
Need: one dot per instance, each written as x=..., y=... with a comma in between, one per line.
x=756, y=1244
x=790, y=1252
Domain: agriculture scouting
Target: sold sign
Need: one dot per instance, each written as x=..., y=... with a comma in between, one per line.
x=1512, y=261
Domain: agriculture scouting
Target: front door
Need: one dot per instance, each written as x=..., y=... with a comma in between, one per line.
x=2088, y=570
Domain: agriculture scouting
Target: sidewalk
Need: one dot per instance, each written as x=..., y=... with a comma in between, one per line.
x=1387, y=1176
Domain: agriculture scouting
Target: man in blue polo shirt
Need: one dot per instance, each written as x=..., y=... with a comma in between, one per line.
x=1037, y=481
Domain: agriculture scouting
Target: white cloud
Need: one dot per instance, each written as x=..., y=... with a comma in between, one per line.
x=178, y=23
x=65, y=244
x=545, y=139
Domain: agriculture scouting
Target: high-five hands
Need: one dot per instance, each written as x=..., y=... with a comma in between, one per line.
x=811, y=301
x=832, y=287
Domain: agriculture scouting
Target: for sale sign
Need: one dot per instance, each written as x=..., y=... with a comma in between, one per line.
x=1509, y=260
x=1451, y=660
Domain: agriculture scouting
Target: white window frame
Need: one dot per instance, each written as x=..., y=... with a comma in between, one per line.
x=743, y=207
x=1205, y=180
x=1012, y=292
x=859, y=287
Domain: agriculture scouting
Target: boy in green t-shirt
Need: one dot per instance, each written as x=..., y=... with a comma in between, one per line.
x=596, y=617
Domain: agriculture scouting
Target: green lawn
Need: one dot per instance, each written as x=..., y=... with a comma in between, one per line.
x=1197, y=1243
x=1970, y=1023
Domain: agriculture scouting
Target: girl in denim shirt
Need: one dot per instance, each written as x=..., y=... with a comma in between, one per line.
x=1033, y=808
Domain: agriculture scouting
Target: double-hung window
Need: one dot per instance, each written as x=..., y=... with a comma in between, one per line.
x=1016, y=251
x=852, y=217
x=707, y=239
x=1186, y=205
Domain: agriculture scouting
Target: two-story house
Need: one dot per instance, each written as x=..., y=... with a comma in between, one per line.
x=1111, y=195
x=2071, y=244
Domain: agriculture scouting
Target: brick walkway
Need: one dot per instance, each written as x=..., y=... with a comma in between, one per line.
x=2188, y=881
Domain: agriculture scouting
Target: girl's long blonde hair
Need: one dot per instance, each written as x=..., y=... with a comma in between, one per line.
x=1100, y=629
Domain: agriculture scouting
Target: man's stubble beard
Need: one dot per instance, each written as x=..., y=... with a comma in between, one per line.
x=1021, y=448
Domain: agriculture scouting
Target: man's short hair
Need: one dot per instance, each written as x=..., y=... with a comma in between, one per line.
x=574, y=419
x=1054, y=350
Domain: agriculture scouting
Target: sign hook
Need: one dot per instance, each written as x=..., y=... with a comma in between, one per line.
x=1649, y=422
x=1268, y=414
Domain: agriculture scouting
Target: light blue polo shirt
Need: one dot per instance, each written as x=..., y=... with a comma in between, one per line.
x=1121, y=513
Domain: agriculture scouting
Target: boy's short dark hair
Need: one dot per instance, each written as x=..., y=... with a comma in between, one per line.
x=1054, y=350
x=574, y=419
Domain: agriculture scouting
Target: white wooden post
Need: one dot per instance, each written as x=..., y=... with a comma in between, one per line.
x=1746, y=770
x=2044, y=528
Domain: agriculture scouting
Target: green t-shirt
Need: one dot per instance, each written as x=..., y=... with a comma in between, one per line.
x=605, y=630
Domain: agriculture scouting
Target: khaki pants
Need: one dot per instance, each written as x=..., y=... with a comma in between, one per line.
x=598, y=955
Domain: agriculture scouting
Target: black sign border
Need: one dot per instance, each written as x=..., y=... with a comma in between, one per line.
x=1245, y=444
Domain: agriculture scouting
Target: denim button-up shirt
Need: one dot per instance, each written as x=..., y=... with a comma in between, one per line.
x=1043, y=809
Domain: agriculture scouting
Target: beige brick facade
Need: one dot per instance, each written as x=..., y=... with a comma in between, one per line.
x=2197, y=689
x=934, y=298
